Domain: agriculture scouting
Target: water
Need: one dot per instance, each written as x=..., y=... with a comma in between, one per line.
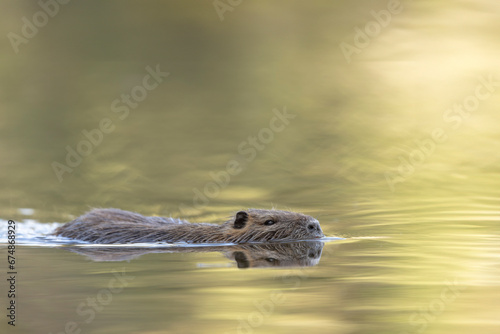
x=386, y=133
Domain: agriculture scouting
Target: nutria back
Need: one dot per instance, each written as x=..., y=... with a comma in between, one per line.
x=109, y=226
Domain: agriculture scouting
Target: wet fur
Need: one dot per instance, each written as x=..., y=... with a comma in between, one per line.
x=110, y=226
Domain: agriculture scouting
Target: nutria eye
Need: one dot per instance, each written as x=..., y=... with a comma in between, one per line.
x=269, y=222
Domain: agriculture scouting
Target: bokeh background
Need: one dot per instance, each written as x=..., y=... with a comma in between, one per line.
x=395, y=134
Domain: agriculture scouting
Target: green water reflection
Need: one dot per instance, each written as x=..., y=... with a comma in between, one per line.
x=397, y=139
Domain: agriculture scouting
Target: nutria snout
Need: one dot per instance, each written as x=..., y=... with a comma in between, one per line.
x=110, y=226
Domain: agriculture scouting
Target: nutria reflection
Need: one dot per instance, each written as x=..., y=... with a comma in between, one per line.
x=290, y=254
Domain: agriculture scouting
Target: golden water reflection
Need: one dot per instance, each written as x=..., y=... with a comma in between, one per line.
x=398, y=142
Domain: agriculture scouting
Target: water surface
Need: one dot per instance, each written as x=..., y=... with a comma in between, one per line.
x=382, y=126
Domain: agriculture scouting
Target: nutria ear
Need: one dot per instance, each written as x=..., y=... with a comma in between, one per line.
x=241, y=219
x=241, y=260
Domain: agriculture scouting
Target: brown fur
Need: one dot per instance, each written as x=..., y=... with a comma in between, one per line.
x=110, y=226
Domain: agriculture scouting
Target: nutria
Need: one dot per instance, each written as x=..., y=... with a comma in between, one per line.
x=250, y=255
x=110, y=226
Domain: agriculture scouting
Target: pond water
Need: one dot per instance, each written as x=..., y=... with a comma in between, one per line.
x=378, y=118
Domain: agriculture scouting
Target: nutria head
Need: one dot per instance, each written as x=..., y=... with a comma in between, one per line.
x=256, y=225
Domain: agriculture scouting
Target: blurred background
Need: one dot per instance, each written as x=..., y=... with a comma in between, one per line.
x=391, y=129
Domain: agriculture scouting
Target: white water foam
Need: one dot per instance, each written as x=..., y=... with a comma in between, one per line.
x=31, y=232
